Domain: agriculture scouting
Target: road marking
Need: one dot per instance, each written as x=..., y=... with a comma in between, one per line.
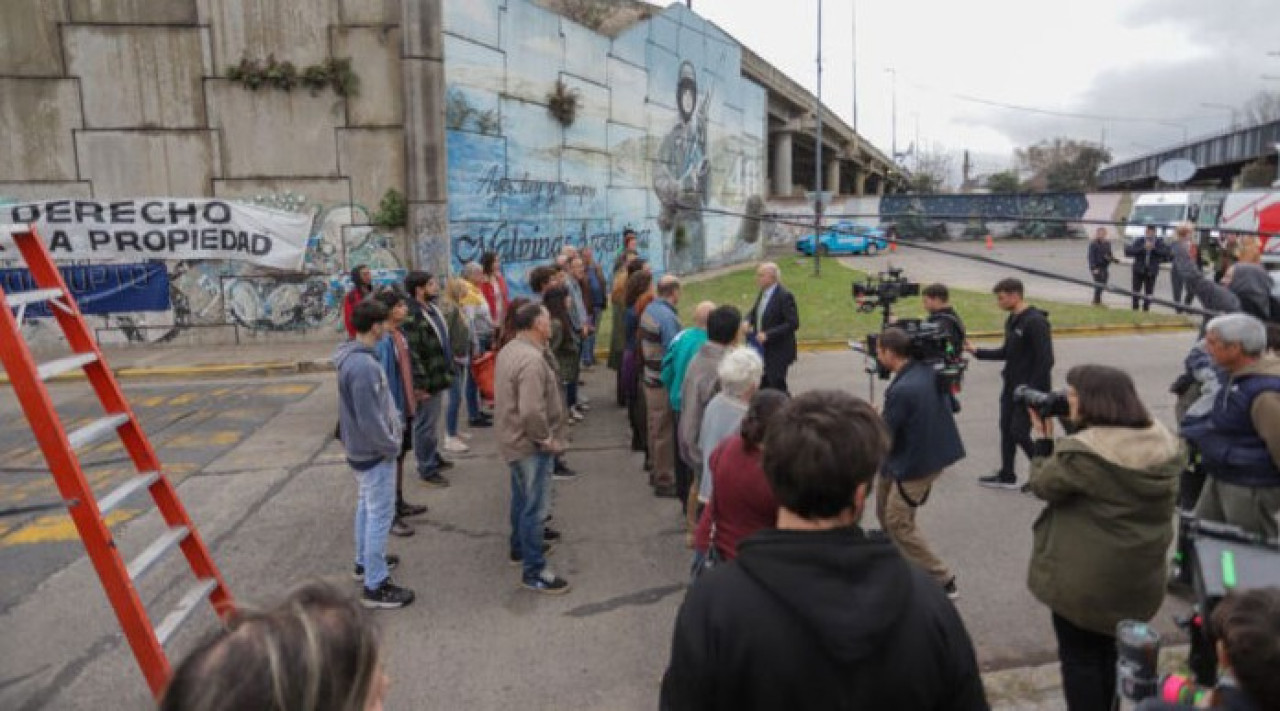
x=184, y=399
x=286, y=389
x=55, y=528
x=220, y=438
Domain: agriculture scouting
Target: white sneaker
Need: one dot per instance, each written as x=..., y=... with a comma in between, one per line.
x=453, y=444
x=583, y=399
x=464, y=435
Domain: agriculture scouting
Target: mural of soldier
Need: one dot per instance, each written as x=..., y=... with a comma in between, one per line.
x=681, y=178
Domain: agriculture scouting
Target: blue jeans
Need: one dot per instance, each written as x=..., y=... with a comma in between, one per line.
x=426, y=434
x=570, y=393
x=461, y=373
x=375, y=507
x=589, y=343
x=530, y=482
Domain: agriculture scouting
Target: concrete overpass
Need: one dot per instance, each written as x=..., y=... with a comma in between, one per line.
x=852, y=166
x=1219, y=158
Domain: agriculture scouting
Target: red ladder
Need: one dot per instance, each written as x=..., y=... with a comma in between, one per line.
x=59, y=448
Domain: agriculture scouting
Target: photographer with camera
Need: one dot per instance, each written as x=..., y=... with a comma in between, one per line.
x=936, y=300
x=924, y=441
x=1239, y=442
x=1246, y=626
x=1100, y=542
x=1028, y=355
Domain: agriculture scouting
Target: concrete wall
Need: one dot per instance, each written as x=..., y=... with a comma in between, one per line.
x=522, y=184
x=129, y=98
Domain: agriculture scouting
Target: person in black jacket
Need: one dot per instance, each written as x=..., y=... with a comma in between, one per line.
x=936, y=299
x=1148, y=254
x=772, y=324
x=1100, y=261
x=818, y=614
x=922, y=428
x=1027, y=353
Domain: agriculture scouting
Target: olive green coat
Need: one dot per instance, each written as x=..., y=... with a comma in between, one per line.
x=566, y=346
x=1101, y=540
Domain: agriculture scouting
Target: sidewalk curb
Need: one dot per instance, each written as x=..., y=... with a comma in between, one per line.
x=324, y=365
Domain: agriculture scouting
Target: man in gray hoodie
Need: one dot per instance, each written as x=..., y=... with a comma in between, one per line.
x=1245, y=287
x=371, y=429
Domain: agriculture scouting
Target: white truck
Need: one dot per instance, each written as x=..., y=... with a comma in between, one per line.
x=1164, y=210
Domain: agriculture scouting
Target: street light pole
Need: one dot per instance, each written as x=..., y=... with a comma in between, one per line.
x=817, y=163
x=854, y=43
x=894, y=131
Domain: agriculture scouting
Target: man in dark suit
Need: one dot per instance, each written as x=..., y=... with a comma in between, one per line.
x=773, y=323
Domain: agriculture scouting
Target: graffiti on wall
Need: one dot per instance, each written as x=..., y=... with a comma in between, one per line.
x=673, y=149
x=937, y=217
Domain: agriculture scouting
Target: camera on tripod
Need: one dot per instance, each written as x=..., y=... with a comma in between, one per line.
x=882, y=290
x=1046, y=404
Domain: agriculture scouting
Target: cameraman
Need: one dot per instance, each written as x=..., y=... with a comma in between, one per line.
x=936, y=300
x=1099, y=551
x=1028, y=355
x=1247, y=628
x=925, y=440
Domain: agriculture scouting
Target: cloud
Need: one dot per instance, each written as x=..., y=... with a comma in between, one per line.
x=1220, y=60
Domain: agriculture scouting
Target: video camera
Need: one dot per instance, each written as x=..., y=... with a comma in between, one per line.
x=1223, y=558
x=1051, y=404
x=882, y=290
x=929, y=344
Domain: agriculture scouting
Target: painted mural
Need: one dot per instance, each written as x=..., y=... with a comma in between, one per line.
x=667, y=133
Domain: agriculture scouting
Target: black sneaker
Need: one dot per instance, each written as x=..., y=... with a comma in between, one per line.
x=550, y=534
x=404, y=509
x=999, y=481
x=564, y=473
x=516, y=557
x=547, y=583
x=388, y=596
x=480, y=422
x=435, y=480
x=953, y=593
x=442, y=463
x=392, y=562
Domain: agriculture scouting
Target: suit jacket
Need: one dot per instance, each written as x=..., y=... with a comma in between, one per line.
x=779, y=323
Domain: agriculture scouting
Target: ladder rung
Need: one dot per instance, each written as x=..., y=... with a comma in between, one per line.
x=35, y=296
x=97, y=430
x=54, y=368
x=184, y=608
x=157, y=550
x=118, y=495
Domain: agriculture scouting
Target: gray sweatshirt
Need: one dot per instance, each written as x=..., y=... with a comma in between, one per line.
x=1250, y=289
x=368, y=421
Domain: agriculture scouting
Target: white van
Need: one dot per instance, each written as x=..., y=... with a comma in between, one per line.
x=1164, y=210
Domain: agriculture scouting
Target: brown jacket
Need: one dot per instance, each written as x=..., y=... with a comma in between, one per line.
x=528, y=407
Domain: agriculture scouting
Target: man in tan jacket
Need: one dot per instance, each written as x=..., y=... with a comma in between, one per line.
x=529, y=418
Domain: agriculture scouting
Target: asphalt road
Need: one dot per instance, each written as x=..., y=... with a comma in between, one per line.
x=275, y=505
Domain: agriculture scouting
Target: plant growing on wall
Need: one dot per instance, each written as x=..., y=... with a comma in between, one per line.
x=393, y=211
x=334, y=73
x=562, y=103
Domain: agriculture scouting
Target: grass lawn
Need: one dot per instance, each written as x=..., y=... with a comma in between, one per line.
x=827, y=311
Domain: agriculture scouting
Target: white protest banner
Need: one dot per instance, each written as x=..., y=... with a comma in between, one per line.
x=163, y=228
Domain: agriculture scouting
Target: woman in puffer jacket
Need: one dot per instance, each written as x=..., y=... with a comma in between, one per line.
x=1101, y=541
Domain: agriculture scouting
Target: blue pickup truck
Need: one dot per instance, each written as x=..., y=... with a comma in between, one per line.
x=845, y=238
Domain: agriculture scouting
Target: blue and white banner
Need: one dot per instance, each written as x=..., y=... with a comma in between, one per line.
x=101, y=289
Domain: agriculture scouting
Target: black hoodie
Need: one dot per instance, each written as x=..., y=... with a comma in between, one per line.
x=820, y=620
x=1027, y=350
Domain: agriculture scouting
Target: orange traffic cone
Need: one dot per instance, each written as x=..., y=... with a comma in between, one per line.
x=990, y=242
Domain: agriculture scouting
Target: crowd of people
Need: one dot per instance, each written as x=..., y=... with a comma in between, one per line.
x=773, y=489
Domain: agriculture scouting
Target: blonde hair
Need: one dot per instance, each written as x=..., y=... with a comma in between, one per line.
x=455, y=290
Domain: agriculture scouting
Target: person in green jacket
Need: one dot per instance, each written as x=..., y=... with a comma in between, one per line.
x=1100, y=542
x=566, y=346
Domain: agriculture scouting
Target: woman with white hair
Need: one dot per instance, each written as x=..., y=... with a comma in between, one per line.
x=739, y=375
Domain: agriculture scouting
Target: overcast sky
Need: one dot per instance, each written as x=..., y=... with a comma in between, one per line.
x=1134, y=63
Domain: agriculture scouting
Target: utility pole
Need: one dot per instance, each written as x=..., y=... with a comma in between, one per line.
x=894, y=143
x=854, y=43
x=817, y=162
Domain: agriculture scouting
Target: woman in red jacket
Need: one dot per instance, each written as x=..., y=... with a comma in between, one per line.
x=361, y=288
x=494, y=287
x=742, y=502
